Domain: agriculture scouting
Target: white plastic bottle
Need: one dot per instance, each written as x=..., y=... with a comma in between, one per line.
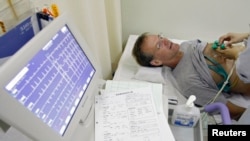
x=186, y=114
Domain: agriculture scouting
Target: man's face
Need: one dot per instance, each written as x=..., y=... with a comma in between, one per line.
x=163, y=50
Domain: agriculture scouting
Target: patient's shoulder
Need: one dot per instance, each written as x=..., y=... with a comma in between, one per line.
x=192, y=42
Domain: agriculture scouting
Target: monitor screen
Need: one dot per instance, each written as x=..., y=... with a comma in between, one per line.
x=52, y=83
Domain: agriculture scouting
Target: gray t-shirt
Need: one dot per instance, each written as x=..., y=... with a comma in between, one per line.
x=193, y=76
x=243, y=65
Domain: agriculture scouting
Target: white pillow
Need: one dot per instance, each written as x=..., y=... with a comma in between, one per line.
x=150, y=74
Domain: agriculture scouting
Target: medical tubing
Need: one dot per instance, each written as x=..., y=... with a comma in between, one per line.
x=222, y=109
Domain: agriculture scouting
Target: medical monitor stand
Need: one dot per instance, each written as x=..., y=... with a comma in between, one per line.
x=48, y=87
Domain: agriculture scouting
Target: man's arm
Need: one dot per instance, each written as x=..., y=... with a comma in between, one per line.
x=234, y=110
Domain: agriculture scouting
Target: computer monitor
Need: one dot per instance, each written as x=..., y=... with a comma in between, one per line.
x=47, y=88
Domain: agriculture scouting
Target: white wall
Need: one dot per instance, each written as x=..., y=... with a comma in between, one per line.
x=185, y=19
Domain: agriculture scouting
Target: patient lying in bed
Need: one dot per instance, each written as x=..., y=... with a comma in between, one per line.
x=190, y=63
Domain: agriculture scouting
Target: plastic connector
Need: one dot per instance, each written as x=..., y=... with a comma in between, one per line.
x=55, y=10
x=215, y=45
x=222, y=46
x=222, y=108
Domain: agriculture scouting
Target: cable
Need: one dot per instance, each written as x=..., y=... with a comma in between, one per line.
x=225, y=83
x=204, y=117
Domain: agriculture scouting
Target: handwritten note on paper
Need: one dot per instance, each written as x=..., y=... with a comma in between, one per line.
x=127, y=116
x=157, y=90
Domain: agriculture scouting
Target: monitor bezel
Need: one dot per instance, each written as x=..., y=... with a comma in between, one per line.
x=18, y=116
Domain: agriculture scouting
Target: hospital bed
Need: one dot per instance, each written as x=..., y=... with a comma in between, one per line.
x=129, y=70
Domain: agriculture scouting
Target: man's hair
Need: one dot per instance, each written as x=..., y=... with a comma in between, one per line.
x=142, y=58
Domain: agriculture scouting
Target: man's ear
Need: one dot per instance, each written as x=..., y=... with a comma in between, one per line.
x=156, y=62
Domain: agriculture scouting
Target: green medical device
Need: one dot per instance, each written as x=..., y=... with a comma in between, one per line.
x=216, y=45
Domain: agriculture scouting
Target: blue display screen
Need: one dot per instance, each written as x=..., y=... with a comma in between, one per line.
x=54, y=81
